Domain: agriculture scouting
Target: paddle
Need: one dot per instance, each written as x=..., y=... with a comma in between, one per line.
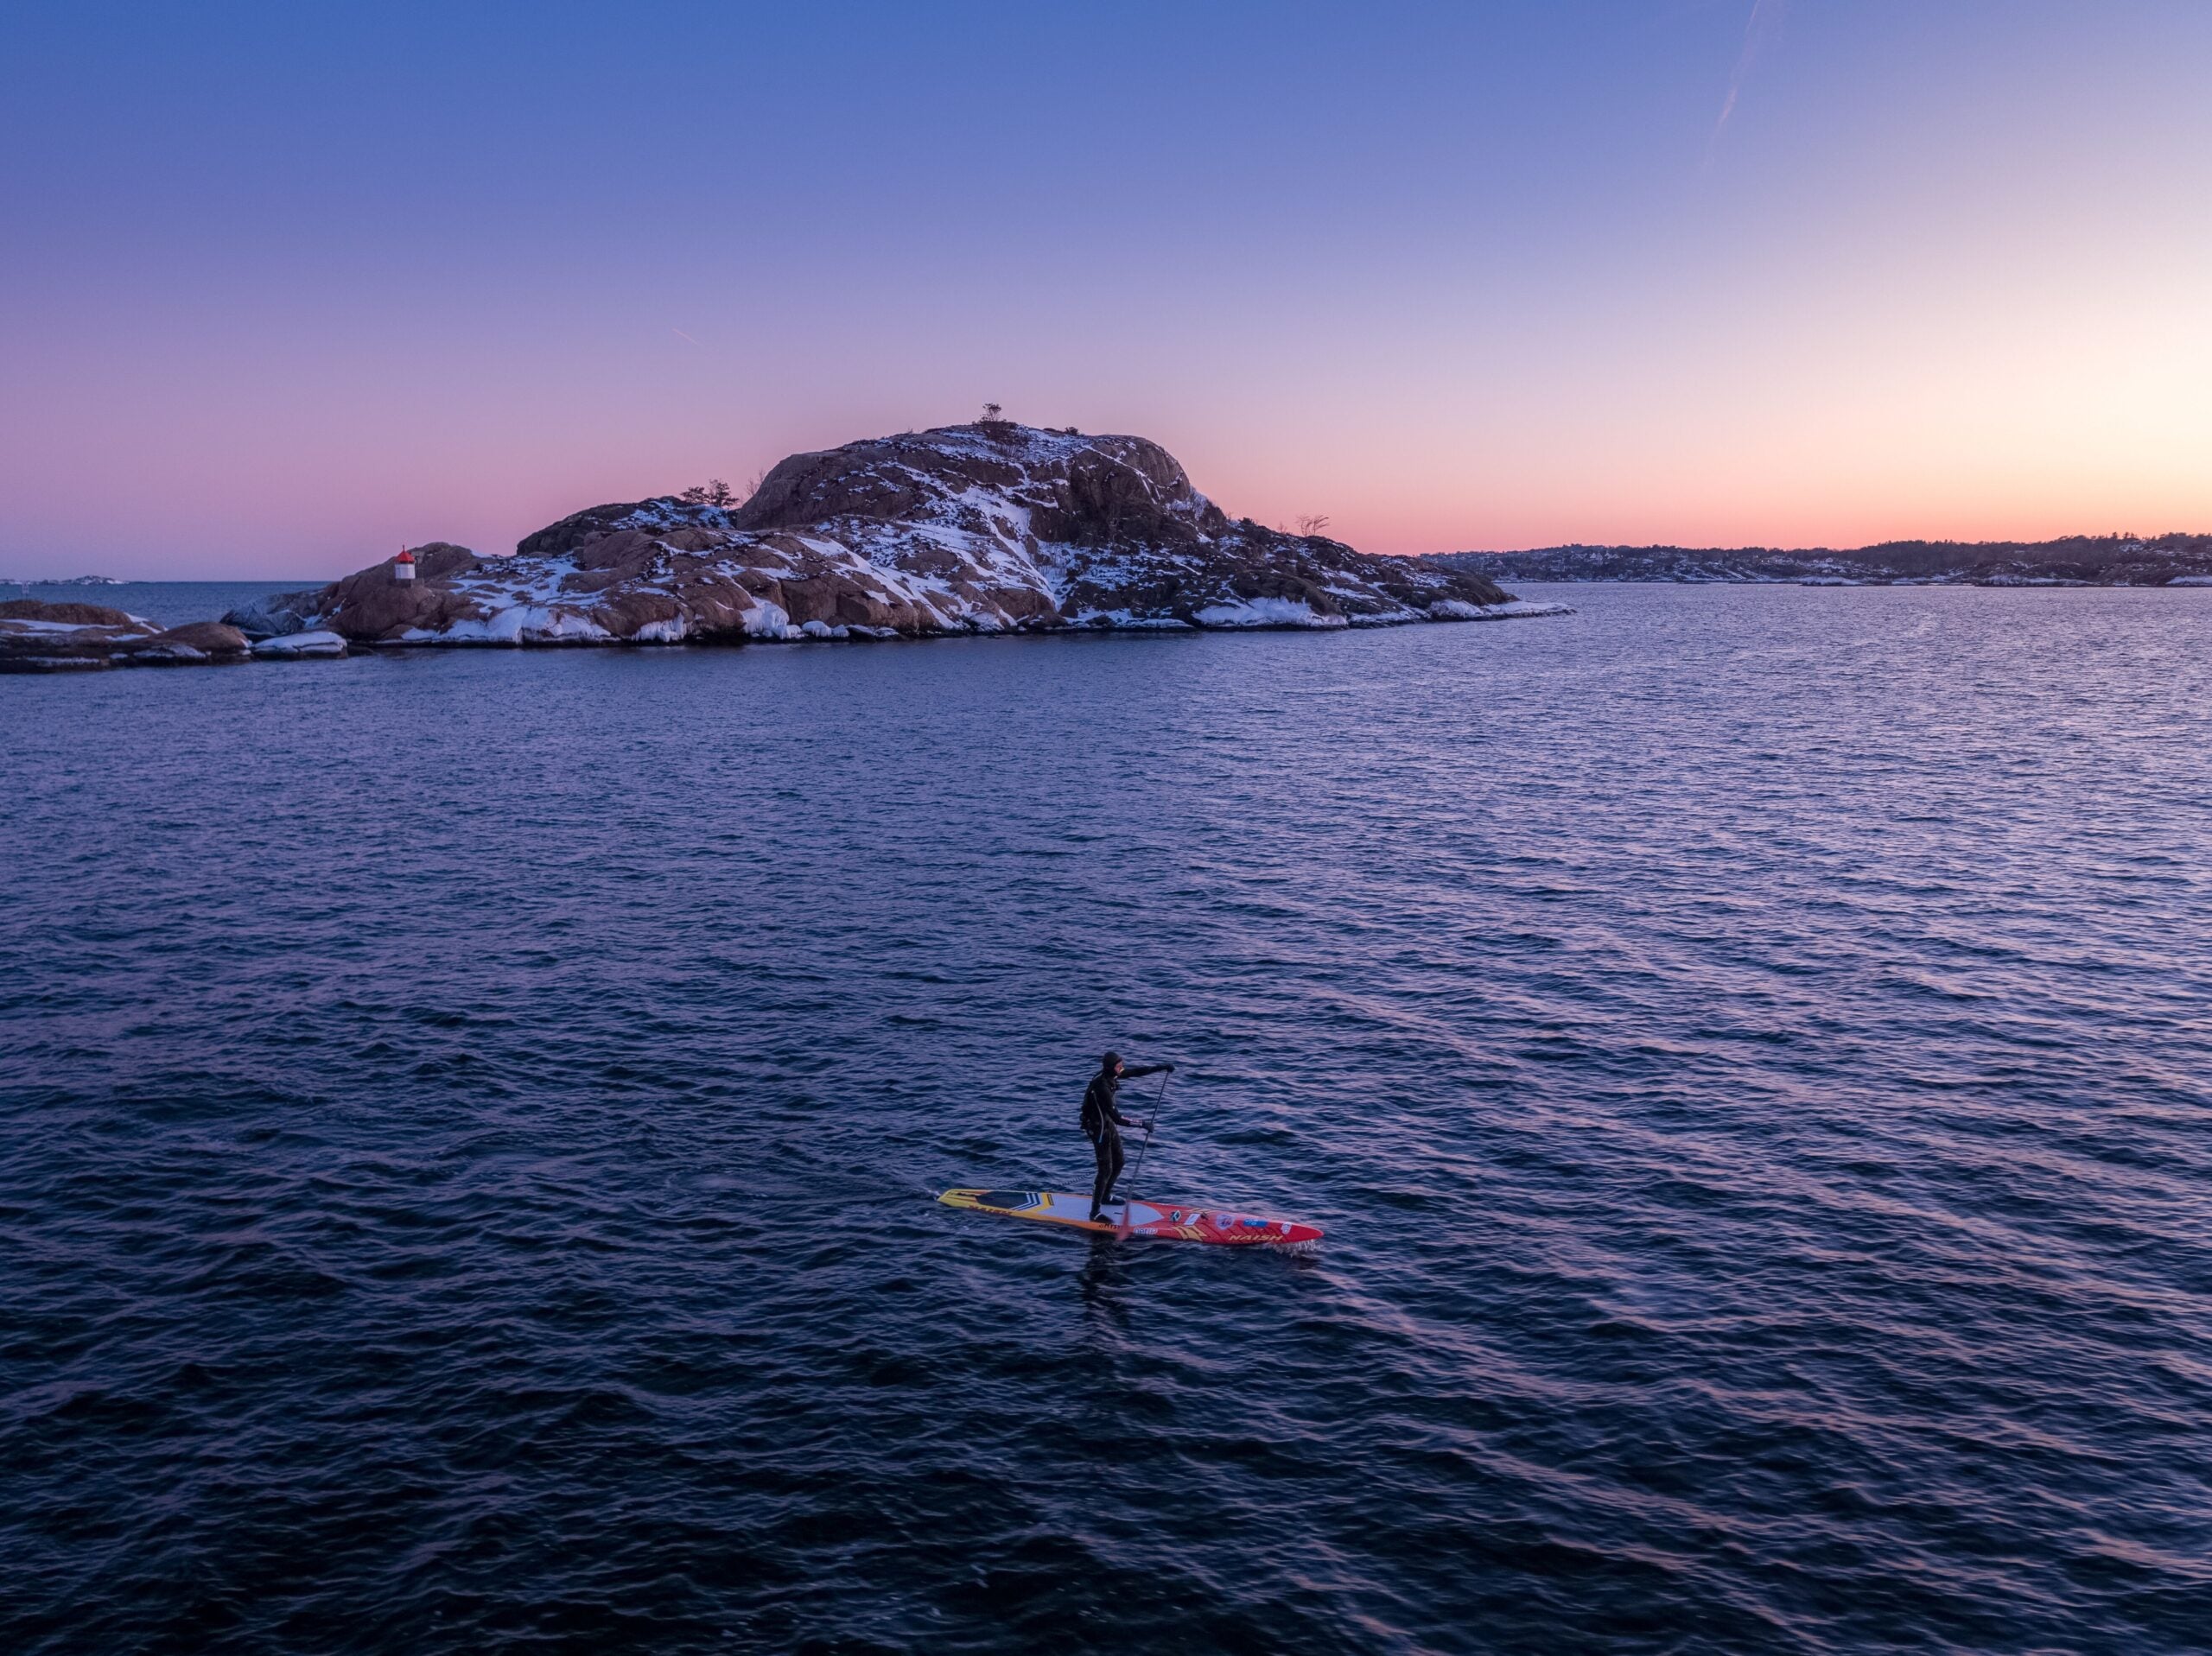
x=1144, y=1149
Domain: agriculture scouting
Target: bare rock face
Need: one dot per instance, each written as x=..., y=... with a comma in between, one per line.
x=982, y=528
x=380, y=600
x=197, y=644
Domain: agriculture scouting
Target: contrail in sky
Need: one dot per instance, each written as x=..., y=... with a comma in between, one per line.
x=1758, y=30
x=688, y=339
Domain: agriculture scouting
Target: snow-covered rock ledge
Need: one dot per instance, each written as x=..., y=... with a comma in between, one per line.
x=987, y=527
x=1512, y=610
x=37, y=637
x=300, y=646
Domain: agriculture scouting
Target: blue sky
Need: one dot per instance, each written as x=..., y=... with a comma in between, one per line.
x=282, y=286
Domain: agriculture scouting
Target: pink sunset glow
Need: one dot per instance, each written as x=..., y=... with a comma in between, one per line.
x=277, y=304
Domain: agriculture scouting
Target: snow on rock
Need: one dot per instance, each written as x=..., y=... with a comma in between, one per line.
x=1454, y=609
x=42, y=638
x=1267, y=612
x=986, y=527
x=298, y=646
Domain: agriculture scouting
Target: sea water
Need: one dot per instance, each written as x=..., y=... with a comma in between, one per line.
x=469, y=1123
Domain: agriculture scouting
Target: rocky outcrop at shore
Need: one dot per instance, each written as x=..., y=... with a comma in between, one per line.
x=42, y=638
x=986, y=527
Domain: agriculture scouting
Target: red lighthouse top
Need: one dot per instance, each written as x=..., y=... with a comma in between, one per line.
x=405, y=556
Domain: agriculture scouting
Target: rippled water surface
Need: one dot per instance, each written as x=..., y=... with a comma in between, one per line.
x=471, y=1120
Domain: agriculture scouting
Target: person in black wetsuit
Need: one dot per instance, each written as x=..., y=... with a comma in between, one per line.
x=1102, y=1122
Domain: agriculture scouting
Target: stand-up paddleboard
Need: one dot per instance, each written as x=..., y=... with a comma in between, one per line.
x=1172, y=1221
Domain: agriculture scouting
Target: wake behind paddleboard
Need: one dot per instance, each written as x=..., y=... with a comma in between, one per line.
x=1169, y=1221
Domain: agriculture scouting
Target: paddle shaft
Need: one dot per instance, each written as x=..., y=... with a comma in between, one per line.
x=1144, y=1149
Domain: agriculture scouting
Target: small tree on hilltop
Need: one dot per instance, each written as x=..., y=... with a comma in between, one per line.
x=1311, y=523
x=713, y=492
x=991, y=412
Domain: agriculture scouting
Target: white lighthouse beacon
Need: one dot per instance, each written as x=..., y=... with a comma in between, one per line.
x=403, y=567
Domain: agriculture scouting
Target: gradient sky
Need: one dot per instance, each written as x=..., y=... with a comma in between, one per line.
x=284, y=285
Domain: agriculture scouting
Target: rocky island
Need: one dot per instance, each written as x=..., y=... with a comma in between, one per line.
x=992, y=527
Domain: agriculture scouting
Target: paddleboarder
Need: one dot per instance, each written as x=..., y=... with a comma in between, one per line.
x=1101, y=1123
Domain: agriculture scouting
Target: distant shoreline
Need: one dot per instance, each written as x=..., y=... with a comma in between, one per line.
x=2040, y=583
x=2072, y=560
x=278, y=582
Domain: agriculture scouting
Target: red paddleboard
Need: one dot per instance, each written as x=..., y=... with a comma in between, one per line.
x=1172, y=1221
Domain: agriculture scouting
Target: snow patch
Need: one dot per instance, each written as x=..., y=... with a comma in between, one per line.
x=1458, y=609
x=1267, y=612
x=1130, y=621
x=61, y=629
x=293, y=645
x=766, y=620
x=518, y=624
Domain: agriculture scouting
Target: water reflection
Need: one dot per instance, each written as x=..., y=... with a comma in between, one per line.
x=1104, y=1283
